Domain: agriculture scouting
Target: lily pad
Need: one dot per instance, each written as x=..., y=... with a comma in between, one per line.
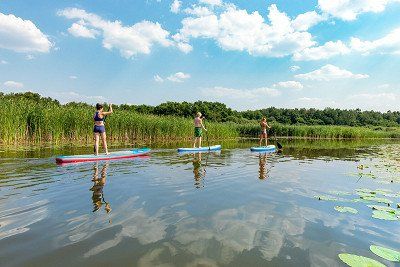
x=382, y=208
x=359, y=261
x=386, y=253
x=365, y=190
x=340, y=193
x=346, y=209
x=383, y=215
x=327, y=198
x=398, y=205
x=378, y=199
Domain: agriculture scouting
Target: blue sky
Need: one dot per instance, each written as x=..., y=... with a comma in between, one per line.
x=247, y=54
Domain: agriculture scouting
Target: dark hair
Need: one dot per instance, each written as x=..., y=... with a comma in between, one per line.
x=99, y=106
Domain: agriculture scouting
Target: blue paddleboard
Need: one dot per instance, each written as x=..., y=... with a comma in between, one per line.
x=270, y=148
x=200, y=149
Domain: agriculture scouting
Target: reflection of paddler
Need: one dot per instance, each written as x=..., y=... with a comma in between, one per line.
x=262, y=162
x=198, y=170
x=97, y=188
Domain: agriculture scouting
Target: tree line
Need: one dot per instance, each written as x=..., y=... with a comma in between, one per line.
x=219, y=112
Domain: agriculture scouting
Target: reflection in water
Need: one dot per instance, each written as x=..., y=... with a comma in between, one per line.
x=97, y=188
x=199, y=170
x=262, y=163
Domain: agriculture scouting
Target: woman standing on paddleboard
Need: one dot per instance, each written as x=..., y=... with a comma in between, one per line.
x=198, y=127
x=99, y=129
x=264, y=125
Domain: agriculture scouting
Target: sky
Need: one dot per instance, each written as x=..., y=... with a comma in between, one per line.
x=246, y=54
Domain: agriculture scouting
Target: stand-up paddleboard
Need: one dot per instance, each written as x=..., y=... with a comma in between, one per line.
x=112, y=156
x=200, y=149
x=270, y=148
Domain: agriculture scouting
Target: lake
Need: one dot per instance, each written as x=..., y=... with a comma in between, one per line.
x=229, y=208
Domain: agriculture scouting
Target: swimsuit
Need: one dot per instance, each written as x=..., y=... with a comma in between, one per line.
x=98, y=128
x=198, y=132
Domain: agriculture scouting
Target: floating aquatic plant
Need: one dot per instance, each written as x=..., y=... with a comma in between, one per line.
x=377, y=199
x=346, y=209
x=359, y=261
x=386, y=253
x=382, y=208
x=327, y=198
x=340, y=193
x=384, y=215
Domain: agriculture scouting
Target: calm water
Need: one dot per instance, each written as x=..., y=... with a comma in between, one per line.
x=233, y=208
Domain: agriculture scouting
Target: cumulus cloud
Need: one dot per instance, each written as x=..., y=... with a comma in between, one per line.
x=178, y=77
x=79, y=30
x=325, y=51
x=330, y=72
x=22, y=35
x=198, y=11
x=158, y=79
x=306, y=20
x=129, y=40
x=389, y=44
x=3, y=62
x=71, y=96
x=175, y=6
x=350, y=9
x=294, y=68
x=232, y=93
x=289, y=84
x=13, y=85
x=73, y=77
x=211, y=2
x=235, y=29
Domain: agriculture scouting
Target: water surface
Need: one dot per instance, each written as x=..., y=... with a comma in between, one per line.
x=232, y=208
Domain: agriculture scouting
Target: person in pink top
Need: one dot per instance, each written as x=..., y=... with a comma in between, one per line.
x=198, y=127
x=264, y=125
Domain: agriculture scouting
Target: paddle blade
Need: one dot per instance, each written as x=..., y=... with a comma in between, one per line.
x=279, y=145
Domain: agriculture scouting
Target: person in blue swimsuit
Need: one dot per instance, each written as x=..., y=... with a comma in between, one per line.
x=99, y=128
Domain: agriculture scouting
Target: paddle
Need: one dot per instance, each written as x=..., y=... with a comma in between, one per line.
x=208, y=142
x=277, y=143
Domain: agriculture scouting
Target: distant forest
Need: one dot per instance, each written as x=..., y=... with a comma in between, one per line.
x=219, y=112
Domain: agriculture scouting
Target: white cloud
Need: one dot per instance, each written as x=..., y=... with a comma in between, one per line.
x=389, y=44
x=3, y=62
x=129, y=40
x=211, y=2
x=237, y=30
x=73, y=77
x=178, y=77
x=289, y=84
x=231, y=93
x=307, y=20
x=175, y=6
x=158, y=79
x=199, y=11
x=30, y=57
x=330, y=72
x=22, y=35
x=325, y=51
x=79, y=30
x=294, y=68
x=13, y=85
x=384, y=86
x=349, y=9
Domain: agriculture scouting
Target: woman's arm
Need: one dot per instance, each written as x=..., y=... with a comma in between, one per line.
x=202, y=125
x=269, y=127
x=108, y=112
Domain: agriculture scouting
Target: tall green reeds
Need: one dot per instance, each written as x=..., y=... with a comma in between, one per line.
x=25, y=120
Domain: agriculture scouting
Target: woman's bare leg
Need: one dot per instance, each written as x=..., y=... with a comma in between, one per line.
x=103, y=138
x=96, y=143
x=266, y=140
x=200, y=141
x=261, y=137
x=195, y=141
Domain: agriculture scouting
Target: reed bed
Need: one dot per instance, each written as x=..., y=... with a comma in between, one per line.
x=26, y=121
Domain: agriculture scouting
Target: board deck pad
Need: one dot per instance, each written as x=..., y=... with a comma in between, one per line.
x=112, y=156
x=200, y=149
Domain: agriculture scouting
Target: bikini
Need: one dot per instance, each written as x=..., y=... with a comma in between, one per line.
x=98, y=128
